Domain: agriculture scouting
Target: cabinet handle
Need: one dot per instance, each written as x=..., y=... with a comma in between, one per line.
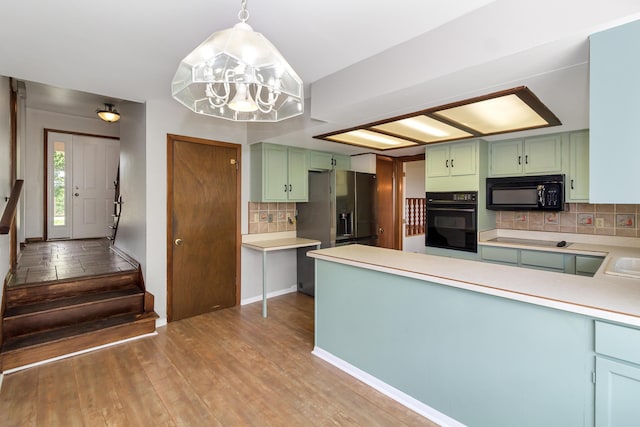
x=446, y=164
x=526, y=159
x=572, y=184
x=452, y=163
x=290, y=188
x=519, y=160
x=285, y=188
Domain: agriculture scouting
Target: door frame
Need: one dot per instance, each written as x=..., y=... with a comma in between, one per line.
x=399, y=191
x=171, y=139
x=45, y=190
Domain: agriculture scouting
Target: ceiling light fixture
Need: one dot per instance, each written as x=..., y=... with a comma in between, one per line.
x=237, y=74
x=510, y=110
x=108, y=113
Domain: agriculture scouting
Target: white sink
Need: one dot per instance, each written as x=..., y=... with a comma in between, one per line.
x=624, y=266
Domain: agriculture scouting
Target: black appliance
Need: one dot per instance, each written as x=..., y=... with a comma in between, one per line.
x=452, y=220
x=530, y=193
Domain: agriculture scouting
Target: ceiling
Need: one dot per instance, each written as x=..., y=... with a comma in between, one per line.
x=360, y=61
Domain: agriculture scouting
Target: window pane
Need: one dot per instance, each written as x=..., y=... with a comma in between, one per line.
x=58, y=184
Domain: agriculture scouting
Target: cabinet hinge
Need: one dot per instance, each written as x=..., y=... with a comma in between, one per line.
x=593, y=377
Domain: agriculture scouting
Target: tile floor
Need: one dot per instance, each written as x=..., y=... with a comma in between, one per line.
x=56, y=260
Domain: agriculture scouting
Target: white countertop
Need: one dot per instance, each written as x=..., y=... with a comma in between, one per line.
x=602, y=296
x=280, y=244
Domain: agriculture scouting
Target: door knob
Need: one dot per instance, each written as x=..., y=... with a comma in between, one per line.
x=380, y=230
x=178, y=242
x=76, y=194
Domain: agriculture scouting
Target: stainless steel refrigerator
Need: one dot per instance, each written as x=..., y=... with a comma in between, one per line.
x=341, y=210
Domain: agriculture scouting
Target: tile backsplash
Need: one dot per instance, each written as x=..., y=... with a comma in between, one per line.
x=271, y=217
x=584, y=218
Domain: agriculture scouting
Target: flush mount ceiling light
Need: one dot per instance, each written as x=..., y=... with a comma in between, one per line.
x=237, y=74
x=500, y=112
x=108, y=113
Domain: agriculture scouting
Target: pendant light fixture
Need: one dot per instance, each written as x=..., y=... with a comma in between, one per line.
x=108, y=113
x=237, y=74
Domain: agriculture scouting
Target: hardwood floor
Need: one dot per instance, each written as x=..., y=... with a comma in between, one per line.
x=226, y=368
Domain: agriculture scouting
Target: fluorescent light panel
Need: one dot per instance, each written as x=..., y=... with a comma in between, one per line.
x=495, y=115
x=423, y=129
x=501, y=112
x=366, y=138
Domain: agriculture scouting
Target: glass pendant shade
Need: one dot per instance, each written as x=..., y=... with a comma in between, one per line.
x=237, y=74
x=108, y=113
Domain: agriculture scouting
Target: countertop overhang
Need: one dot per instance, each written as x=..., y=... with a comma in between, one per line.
x=611, y=298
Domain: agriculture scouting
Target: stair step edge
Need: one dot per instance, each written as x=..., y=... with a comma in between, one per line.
x=68, y=302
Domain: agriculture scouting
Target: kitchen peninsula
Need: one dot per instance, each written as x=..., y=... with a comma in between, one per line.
x=472, y=343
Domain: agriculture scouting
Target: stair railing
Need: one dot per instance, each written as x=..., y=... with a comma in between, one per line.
x=12, y=205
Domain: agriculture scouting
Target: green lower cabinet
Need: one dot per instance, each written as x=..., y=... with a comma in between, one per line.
x=617, y=381
x=617, y=394
x=558, y=262
x=551, y=261
x=499, y=255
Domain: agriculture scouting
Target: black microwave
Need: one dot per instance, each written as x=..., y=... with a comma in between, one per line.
x=531, y=193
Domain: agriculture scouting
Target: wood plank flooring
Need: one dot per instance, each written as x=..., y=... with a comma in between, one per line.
x=227, y=368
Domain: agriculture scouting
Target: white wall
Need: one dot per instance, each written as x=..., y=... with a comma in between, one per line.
x=413, y=187
x=132, y=229
x=5, y=175
x=164, y=116
x=37, y=121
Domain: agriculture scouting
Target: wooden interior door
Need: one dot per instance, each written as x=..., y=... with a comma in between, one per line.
x=386, y=202
x=203, y=226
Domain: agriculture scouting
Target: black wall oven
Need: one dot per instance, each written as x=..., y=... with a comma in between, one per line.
x=452, y=220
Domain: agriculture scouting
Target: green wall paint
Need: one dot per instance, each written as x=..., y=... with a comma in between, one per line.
x=483, y=360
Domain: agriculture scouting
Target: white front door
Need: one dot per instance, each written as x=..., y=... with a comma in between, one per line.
x=80, y=185
x=95, y=165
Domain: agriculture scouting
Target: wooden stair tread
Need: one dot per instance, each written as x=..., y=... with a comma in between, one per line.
x=44, y=306
x=70, y=331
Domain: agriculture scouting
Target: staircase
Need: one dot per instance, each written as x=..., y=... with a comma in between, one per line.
x=53, y=319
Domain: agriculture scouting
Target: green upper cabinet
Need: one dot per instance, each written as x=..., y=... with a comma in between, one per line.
x=531, y=156
x=279, y=173
x=321, y=160
x=451, y=159
x=614, y=108
x=453, y=166
x=577, y=168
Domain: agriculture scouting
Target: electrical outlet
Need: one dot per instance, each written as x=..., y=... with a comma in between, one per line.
x=600, y=222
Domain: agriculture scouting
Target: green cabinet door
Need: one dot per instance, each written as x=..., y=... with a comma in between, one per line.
x=297, y=177
x=274, y=173
x=543, y=155
x=505, y=158
x=341, y=162
x=463, y=158
x=320, y=160
x=437, y=161
x=279, y=173
x=617, y=393
x=577, y=174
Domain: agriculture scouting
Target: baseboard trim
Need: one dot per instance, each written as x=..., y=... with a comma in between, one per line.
x=161, y=322
x=277, y=293
x=88, y=350
x=389, y=391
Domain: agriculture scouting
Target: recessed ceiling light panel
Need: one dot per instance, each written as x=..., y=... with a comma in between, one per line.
x=423, y=129
x=369, y=139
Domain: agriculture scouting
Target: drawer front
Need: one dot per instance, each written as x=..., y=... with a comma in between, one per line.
x=586, y=265
x=506, y=255
x=618, y=341
x=554, y=261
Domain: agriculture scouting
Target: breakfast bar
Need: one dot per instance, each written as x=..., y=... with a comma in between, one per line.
x=474, y=343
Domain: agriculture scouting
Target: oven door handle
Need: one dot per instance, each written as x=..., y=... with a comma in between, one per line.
x=450, y=209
